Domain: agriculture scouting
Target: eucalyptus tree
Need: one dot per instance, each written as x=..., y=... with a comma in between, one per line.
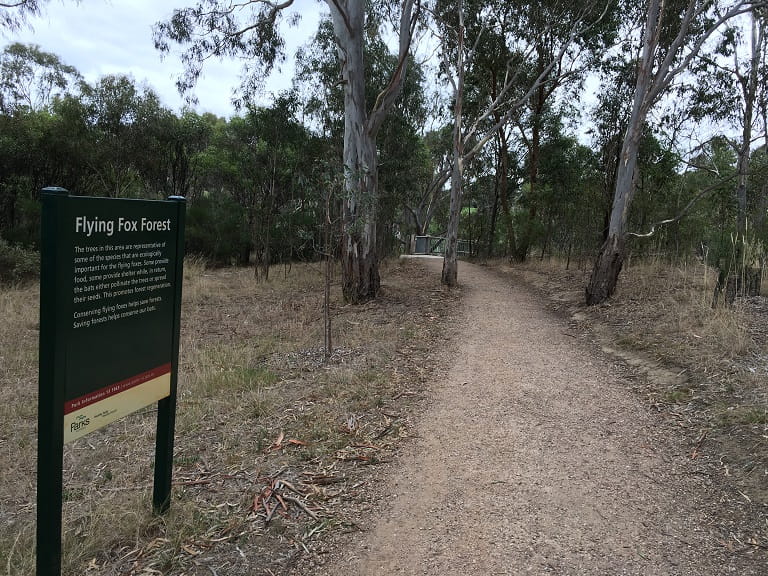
x=429, y=193
x=403, y=156
x=34, y=148
x=541, y=29
x=658, y=193
x=187, y=136
x=672, y=35
x=14, y=13
x=126, y=125
x=710, y=212
x=30, y=78
x=732, y=86
x=609, y=119
x=266, y=154
x=758, y=201
x=251, y=30
x=460, y=32
x=569, y=192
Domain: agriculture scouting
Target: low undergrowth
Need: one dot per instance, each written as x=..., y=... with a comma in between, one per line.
x=274, y=441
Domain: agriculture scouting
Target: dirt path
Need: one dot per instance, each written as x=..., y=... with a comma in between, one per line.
x=535, y=458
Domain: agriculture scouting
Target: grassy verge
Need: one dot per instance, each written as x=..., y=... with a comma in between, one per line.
x=703, y=368
x=274, y=442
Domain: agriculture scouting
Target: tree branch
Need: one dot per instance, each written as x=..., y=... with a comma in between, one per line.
x=705, y=192
x=666, y=73
x=342, y=12
x=386, y=97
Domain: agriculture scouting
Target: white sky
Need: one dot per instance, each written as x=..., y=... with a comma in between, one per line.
x=100, y=37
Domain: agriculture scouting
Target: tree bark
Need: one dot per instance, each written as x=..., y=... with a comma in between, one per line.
x=359, y=255
x=506, y=210
x=450, y=263
x=534, y=153
x=749, y=85
x=605, y=274
x=735, y=267
x=359, y=264
x=494, y=216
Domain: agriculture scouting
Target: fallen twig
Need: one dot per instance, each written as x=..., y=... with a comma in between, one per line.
x=323, y=479
x=270, y=512
x=699, y=442
x=191, y=482
x=303, y=506
x=290, y=487
x=384, y=432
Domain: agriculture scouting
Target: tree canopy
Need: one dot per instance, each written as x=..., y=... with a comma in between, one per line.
x=576, y=128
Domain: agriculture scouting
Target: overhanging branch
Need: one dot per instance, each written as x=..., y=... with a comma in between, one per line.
x=708, y=190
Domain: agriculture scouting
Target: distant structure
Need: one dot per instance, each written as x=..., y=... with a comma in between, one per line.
x=435, y=245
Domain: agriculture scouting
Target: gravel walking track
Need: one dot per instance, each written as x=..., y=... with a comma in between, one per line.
x=535, y=457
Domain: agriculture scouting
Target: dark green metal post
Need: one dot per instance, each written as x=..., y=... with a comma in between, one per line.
x=52, y=361
x=166, y=408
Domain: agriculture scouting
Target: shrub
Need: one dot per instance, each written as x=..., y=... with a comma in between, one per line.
x=216, y=228
x=18, y=264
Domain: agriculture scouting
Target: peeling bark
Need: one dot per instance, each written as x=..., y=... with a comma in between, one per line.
x=359, y=254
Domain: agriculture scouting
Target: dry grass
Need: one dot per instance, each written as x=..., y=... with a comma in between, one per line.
x=705, y=368
x=18, y=413
x=671, y=310
x=259, y=409
x=257, y=405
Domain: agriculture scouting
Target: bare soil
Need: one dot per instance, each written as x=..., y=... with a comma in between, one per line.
x=537, y=455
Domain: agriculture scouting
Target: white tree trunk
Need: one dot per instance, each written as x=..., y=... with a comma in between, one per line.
x=656, y=70
x=450, y=260
x=360, y=260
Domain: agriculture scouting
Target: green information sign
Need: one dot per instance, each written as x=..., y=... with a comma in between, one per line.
x=110, y=301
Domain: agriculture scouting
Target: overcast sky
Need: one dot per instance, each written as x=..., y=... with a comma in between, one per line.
x=100, y=37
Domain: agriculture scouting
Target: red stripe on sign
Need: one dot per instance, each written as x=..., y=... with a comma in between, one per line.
x=113, y=389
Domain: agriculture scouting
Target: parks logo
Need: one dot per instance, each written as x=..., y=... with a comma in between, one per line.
x=80, y=422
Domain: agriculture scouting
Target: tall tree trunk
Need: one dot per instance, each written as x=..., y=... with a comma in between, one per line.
x=359, y=255
x=734, y=273
x=502, y=171
x=327, y=226
x=749, y=85
x=450, y=261
x=656, y=69
x=605, y=274
x=494, y=216
x=526, y=238
x=359, y=261
x=506, y=209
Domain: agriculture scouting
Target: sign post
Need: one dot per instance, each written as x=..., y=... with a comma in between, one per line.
x=110, y=307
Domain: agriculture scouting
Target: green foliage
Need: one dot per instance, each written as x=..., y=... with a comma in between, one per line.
x=14, y=15
x=214, y=29
x=17, y=264
x=257, y=183
x=31, y=79
x=405, y=166
x=711, y=223
x=216, y=228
